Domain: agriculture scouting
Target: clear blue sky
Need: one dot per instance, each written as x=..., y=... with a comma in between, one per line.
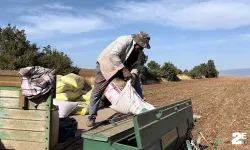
x=185, y=32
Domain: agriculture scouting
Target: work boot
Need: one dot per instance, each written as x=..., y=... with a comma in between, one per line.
x=90, y=122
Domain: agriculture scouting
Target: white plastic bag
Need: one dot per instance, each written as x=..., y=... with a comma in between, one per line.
x=65, y=107
x=112, y=92
x=130, y=102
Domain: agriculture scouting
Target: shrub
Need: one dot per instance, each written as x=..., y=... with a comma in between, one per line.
x=168, y=71
x=211, y=70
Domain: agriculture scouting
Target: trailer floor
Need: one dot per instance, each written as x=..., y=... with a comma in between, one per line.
x=103, y=114
x=77, y=142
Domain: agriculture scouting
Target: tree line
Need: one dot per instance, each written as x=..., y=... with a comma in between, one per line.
x=17, y=52
x=154, y=71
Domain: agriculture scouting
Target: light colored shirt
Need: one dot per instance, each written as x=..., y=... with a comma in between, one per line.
x=113, y=57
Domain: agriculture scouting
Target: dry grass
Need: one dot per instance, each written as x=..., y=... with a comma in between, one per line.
x=184, y=77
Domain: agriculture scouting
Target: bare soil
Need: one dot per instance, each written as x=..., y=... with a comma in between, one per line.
x=84, y=72
x=223, y=103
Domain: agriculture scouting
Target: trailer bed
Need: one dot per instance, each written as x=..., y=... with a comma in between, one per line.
x=77, y=142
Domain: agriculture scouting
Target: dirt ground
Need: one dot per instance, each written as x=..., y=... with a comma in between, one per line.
x=223, y=103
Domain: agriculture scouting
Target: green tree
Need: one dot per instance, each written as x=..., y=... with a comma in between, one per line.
x=211, y=70
x=185, y=72
x=153, y=65
x=169, y=72
x=195, y=73
x=203, y=69
x=51, y=58
x=154, y=68
x=16, y=51
x=179, y=71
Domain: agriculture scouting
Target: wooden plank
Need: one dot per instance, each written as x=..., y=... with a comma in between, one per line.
x=21, y=145
x=27, y=125
x=23, y=102
x=41, y=106
x=11, y=78
x=9, y=102
x=9, y=93
x=6, y=113
x=22, y=135
x=9, y=73
x=10, y=88
x=10, y=83
x=14, y=103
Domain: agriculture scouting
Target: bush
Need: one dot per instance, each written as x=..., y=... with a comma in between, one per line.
x=168, y=71
x=204, y=70
x=186, y=72
x=179, y=71
x=195, y=73
x=211, y=70
x=154, y=65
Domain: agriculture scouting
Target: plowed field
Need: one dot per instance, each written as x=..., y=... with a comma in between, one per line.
x=223, y=103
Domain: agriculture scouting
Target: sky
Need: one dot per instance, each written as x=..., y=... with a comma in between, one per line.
x=184, y=32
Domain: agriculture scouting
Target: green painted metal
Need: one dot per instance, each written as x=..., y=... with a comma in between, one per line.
x=137, y=131
x=149, y=126
x=89, y=144
x=117, y=146
x=48, y=123
x=159, y=114
x=49, y=109
x=189, y=147
x=100, y=145
x=159, y=129
x=11, y=88
x=111, y=132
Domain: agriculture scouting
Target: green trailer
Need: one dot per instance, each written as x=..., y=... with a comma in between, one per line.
x=165, y=128
x=24, y=125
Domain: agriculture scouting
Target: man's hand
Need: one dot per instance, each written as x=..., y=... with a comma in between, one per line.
x=126, y=74
x=134, y=76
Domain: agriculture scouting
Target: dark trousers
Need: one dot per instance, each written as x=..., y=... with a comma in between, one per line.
x=100, y=85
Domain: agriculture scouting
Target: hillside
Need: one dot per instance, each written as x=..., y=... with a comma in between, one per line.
x=235, y=72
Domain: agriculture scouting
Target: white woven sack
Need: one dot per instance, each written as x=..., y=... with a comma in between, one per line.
x=129, y=101
x=112, y=92
x=65, y=107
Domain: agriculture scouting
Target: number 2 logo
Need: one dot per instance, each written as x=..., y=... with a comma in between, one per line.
x=238, y=137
